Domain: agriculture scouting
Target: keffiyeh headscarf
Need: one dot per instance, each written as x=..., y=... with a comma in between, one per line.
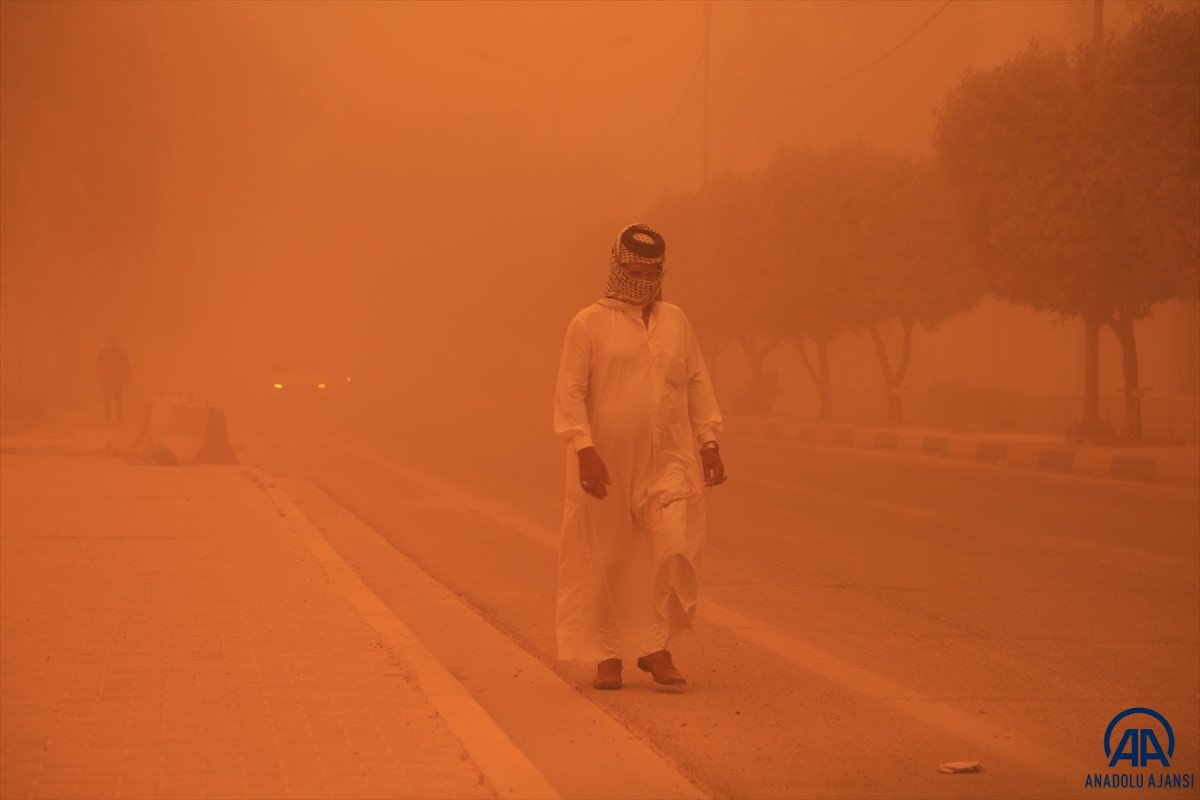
x=636, y=244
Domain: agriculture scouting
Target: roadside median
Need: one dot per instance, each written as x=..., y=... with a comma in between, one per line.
x=1172, y=465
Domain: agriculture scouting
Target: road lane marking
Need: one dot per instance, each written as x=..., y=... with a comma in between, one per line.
x=996, y=740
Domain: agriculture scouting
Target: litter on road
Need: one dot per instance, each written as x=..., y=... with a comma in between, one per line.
x=954, y=767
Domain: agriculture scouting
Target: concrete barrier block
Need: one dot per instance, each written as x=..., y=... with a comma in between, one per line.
x=183, y=433
x=909, y=442
x=965, y=449
x=992, y=452
x=1136, y=468
x=1093, y=463
x=844, y=437
x=863, y=439
x=215, y=447
x=935, y=445
x=791, y=433
x=1057, y=459
x=807, y=434
x=1024, y=455
x=886, y=440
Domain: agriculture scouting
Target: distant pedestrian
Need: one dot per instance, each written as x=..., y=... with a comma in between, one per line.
x=112, y=365
x=635, y=404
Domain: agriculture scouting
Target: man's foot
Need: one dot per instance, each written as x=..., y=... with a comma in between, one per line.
x=608, y=674
x=661, y=668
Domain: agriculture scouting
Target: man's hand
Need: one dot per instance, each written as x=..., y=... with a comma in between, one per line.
x=593, y=475
x=712, y=466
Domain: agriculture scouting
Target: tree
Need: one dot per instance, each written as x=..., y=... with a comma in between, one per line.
x=717, y=234
x=1142, y=89
x=920, y=270
x=805, y=206
x=819, y=244
x=868, y=237
x=1079, y=180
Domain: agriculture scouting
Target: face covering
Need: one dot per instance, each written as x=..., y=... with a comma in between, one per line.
x=629, y=288
x=636, y=244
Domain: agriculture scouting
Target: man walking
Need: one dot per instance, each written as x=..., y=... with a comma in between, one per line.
x=637, y=409
x=112, y=365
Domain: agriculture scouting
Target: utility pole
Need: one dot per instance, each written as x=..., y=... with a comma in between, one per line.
x=1091, y=424
x=704, y=123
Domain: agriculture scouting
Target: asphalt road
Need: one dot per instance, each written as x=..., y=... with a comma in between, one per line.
x=865, y=616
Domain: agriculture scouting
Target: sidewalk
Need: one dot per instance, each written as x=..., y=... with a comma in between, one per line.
x=1166, y=464
x=172, y=632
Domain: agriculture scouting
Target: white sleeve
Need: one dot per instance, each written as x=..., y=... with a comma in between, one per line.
x=703, y=411
x=571, y=389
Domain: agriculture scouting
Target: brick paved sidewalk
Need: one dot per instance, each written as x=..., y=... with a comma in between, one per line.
x=164, y=633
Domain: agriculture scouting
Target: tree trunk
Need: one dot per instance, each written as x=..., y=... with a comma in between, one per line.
x=1090, y=424
x=1122, y=326
x=819, y=374
x=892, y=381
x=823, y=382
x=757, y=399
x=716, y=346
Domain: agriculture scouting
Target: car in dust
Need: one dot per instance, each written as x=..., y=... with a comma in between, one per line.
x=305, y=382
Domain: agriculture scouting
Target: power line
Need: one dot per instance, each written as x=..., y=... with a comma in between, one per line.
x=814, y=87
x=670, y=123
x=850, y=76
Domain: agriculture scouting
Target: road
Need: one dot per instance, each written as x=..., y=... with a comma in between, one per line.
x=865, y=616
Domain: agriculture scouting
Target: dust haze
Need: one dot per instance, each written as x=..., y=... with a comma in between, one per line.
x=286, y=292
x=420, y=195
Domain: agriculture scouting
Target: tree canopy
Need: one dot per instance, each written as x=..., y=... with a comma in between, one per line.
x=820, y=244
x=1080, y=175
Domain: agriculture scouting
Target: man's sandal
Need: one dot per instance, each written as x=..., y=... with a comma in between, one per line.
x=608, y=674
x=661, y=668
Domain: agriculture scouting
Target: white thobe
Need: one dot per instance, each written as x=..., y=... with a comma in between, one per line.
x=642, y=396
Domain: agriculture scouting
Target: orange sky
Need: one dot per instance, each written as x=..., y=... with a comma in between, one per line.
x=321, y=176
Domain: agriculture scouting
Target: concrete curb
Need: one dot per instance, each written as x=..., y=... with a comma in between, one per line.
x=506, y=768
x=543, y=712
x=1096, y=462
